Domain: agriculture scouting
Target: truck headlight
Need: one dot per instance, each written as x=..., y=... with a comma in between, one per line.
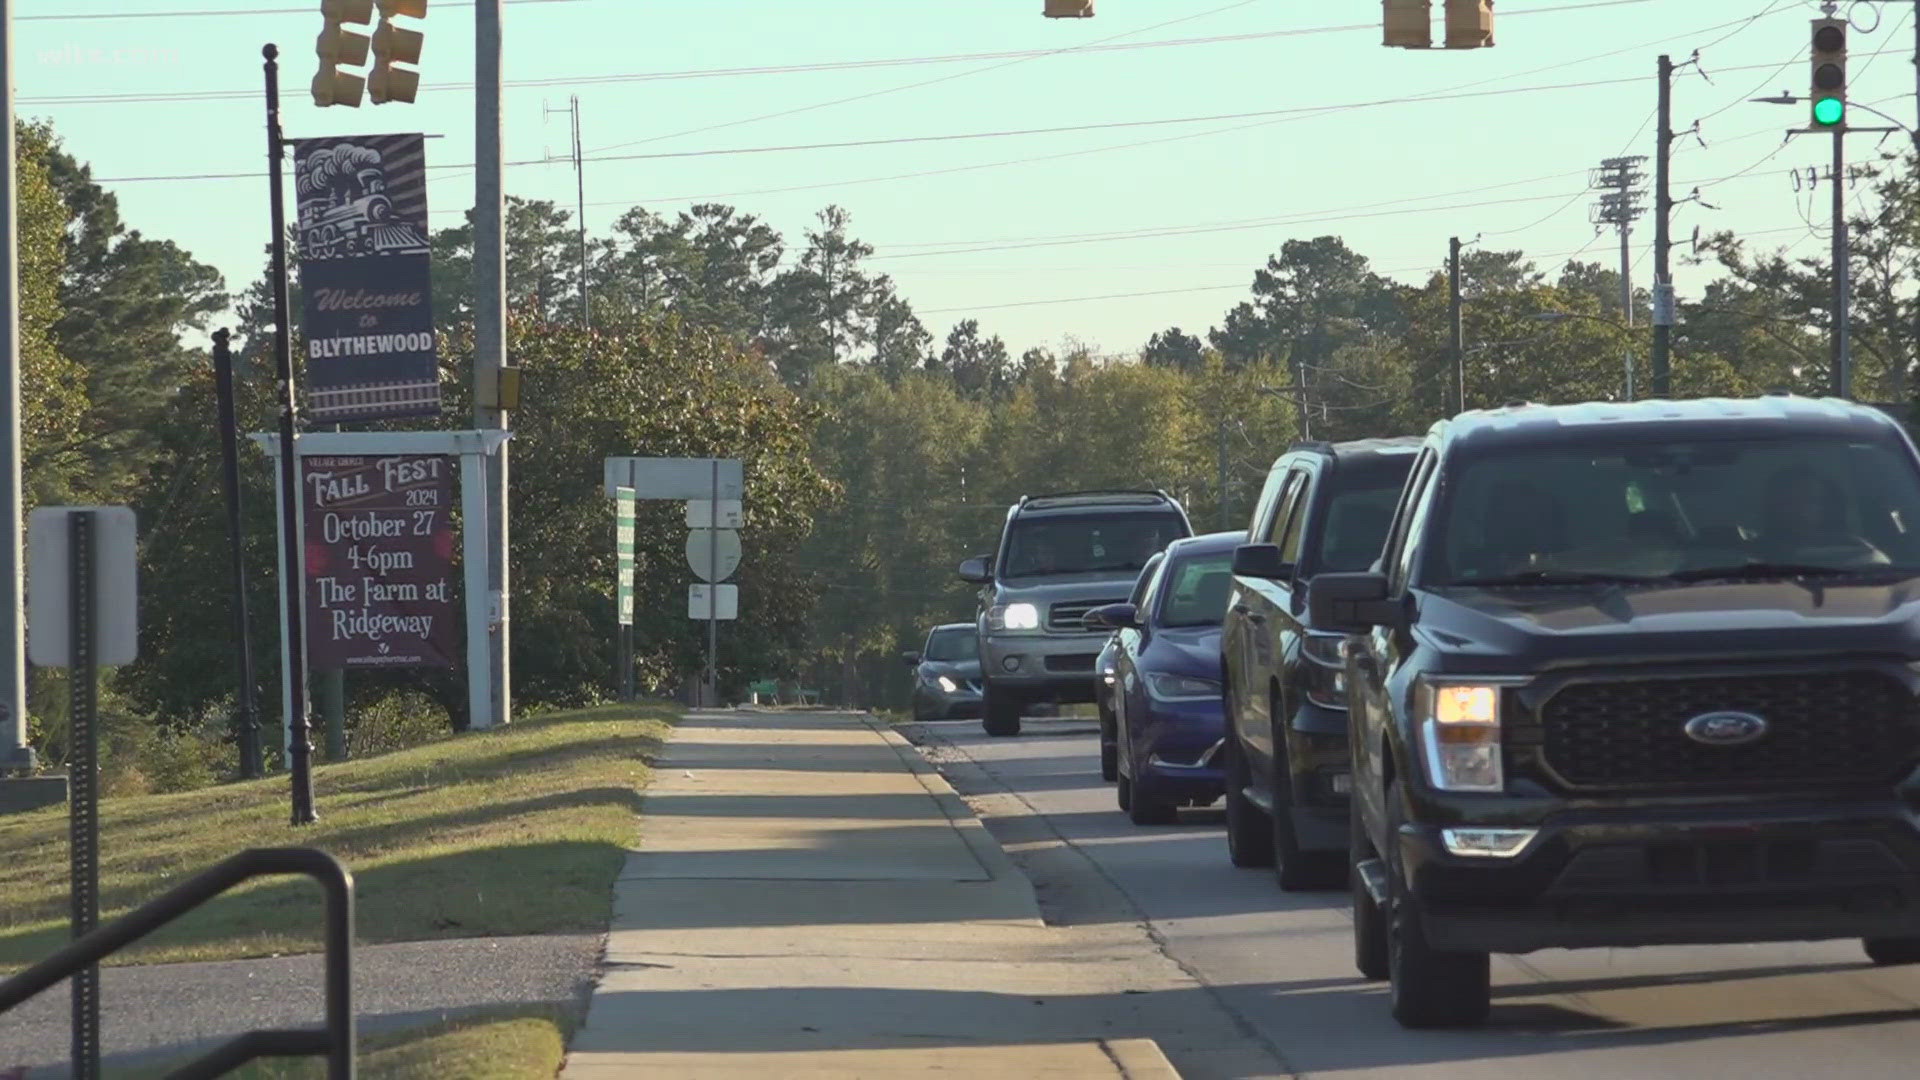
x=1326, y=673
x=1181, y=687
x=1013, y=617
x=1460, y=724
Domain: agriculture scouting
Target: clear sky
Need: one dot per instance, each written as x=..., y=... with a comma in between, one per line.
x=1004, y=228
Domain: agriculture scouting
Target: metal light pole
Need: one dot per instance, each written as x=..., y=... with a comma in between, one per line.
x=246, y=718
x=490, y=329
x=300, y=749
x=14, y=752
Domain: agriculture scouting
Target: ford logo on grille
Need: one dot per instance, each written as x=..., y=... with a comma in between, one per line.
x=1726, y=728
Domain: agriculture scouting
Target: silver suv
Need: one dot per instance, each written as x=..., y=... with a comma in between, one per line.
x=1059, y=557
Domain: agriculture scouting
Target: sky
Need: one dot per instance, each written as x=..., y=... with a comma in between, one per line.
x=1205, y=133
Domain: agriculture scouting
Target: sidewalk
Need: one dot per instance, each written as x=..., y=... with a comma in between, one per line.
x=811, y=900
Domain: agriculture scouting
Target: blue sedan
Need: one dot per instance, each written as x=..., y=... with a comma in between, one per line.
x=1169, y=720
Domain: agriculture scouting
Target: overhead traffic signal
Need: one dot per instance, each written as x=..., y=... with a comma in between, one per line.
x=1408, y=24
x=341, y=44
x=396, y=45
x=1829, y=93
x=1069, y=9
x=1469, y=24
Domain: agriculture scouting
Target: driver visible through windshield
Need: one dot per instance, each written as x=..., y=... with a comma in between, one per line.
x=1695, y=510
x=1049, y=546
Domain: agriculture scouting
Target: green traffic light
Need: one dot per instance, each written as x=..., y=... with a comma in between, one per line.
x=1829, y=111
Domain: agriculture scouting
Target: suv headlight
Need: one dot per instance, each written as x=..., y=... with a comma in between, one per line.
x=1013, y=617
x=1181, y=687
x=1460, y=724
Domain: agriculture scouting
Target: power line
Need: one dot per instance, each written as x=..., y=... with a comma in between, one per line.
x=869, y=95
x=1241, y=285
x=311, y=9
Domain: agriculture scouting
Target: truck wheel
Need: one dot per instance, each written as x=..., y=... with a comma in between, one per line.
x=1369, y=922
x=1431, y=988
x=1109, y=748
x=1249, y=829
x=1888, y=951
x=1000, y=717
x=1296, y=870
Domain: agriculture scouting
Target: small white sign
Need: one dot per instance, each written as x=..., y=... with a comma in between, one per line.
x=704, y=546
x=726, y=602
x=700, y=514
x=115, y=586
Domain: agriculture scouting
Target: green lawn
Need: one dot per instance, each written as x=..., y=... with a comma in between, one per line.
x=529, y=1044
x=515, y=831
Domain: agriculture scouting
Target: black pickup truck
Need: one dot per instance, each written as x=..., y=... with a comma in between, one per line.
x=1638, y=674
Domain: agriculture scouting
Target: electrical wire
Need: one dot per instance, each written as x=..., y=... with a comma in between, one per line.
x=311, y=9
x=869, y=95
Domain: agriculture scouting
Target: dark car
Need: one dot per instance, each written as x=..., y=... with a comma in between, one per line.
x=946, y=674
x=1167, y=713
x=1059, y=557
x=1324, y=509
x=1106, y=667
x=1641, y=674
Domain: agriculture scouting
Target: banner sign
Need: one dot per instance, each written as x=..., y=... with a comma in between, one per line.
x=379, y=561
x=364, y=273
x=623, y=548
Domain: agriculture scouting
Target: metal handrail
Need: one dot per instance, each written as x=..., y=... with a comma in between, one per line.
x=335, y=1041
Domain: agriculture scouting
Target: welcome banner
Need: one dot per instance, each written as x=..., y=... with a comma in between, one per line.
x=365, y=270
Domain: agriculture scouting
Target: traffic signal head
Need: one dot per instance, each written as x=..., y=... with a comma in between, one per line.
x=1469, y=24
x=341, y=44
x=1829, y=73
x=1069, y=9
x=1407, y=24
x=394, y=45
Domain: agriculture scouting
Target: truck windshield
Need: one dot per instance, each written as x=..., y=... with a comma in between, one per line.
x=956, y=646
x=1047, y=546
x=1689, y=510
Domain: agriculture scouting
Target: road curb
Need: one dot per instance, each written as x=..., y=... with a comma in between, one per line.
x=1139, y=1059
x=986, y=850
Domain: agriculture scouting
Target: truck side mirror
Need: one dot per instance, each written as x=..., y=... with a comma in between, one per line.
x=1261, y=561
x=1350, y=603
x=977, y=570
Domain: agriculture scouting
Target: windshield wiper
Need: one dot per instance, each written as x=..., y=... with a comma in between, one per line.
x=1558, y=577
x=1752, y=570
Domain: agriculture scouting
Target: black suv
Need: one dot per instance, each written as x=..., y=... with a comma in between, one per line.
x=1325, y=508
x=1060, y=556
x=1636, y=674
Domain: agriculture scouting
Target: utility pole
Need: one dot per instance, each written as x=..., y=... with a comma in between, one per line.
x=246, y=719
x=580, y=215
x=15, y=754
x=1662, y=239
x=490, y=329
x=1842, y=373
x=1457, y=344
x=1621, y=184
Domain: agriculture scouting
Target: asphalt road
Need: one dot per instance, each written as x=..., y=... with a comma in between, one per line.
x=1281, y=963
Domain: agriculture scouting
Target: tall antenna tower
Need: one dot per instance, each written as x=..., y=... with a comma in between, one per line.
x=1622, y=186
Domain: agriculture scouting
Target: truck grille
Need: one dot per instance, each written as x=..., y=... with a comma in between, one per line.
x=1064, y=618
x=1850, y=727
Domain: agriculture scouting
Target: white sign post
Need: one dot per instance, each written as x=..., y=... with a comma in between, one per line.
x=82, y=613
x=713, y=489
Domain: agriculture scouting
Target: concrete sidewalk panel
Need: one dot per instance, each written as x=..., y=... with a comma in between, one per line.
x=1068, y=1061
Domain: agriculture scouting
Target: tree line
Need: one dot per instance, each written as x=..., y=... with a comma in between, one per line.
x=878, y=453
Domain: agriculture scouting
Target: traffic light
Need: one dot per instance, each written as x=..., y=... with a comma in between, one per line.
x=1069, y=9
x=1829, y=94
x=396, y=45
x=1408, y=24
x=339, y=44
x=1469, y=24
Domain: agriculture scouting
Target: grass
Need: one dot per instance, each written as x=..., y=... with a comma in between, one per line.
x=520, y=830
x=525, y=1043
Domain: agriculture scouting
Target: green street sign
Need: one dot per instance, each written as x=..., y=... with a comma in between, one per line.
x=623, y=548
